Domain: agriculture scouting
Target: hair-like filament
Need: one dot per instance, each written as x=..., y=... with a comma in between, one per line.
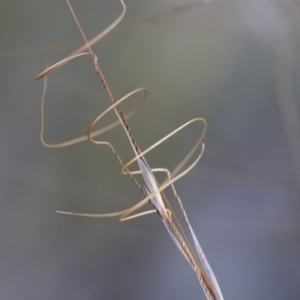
x=153, y=191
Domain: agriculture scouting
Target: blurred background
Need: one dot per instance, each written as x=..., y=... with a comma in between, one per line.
x=234, y=63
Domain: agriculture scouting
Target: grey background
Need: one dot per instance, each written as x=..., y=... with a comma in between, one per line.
x=235, y=63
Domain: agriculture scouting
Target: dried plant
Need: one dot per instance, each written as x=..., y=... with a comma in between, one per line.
x=152, y=190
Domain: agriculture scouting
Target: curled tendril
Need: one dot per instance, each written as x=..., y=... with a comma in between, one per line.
x=153, y=192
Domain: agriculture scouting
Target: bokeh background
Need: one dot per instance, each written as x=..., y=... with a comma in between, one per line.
x=235, y=63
